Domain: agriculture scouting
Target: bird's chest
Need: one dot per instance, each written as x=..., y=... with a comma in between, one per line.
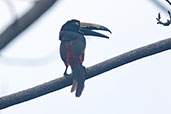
x=74, y=54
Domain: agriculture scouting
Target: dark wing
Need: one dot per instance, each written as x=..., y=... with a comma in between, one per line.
x=77, y=42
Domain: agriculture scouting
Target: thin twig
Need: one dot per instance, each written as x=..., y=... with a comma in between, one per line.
x=167, y=23
x=92, y=71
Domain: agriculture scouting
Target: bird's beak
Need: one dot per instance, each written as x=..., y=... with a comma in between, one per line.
x=87, y=29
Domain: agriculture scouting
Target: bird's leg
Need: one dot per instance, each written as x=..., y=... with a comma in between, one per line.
x=65, y=73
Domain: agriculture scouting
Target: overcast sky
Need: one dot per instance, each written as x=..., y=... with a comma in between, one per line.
x=141, y=87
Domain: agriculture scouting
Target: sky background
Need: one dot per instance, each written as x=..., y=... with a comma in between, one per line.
x=140, y=87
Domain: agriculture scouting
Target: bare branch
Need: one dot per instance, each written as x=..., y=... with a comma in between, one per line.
x=159, y=4
x=168, y=2
x=92, y=71
x=167, y=23
x=25, y=21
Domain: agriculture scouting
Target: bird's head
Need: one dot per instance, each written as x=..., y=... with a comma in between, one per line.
x=84, y=28
x=72, y=25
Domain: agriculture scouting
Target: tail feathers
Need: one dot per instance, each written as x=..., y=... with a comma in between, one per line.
x=80, y=89
x=79, y=76
x=74, y=86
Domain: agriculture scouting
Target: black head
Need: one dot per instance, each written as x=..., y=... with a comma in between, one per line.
x=83, y=28
x=72, y=25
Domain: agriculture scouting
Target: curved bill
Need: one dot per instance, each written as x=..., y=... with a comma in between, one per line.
x=87, y=29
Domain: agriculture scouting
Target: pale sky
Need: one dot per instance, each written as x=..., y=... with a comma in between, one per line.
x=141, y=87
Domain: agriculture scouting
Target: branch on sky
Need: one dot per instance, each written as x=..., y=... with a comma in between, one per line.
x=168, y=2
x=167, y=23
x=24, y=22
x=92, y=71
x=159, y=4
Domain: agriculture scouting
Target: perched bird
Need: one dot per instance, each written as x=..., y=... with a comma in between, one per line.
x=72, y=49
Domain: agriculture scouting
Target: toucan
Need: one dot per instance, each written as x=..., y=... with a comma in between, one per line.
x=72, y=49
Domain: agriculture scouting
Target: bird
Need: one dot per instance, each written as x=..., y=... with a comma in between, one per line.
x=72, y=49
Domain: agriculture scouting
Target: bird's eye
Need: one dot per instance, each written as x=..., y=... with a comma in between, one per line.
x=77, y=23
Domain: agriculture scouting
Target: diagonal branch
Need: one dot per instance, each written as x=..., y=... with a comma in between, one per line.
x=25, y=21
x=168, y=2
x=92, y=71
x=159, y=4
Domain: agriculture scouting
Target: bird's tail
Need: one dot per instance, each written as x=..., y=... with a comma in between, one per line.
x=79, y=76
